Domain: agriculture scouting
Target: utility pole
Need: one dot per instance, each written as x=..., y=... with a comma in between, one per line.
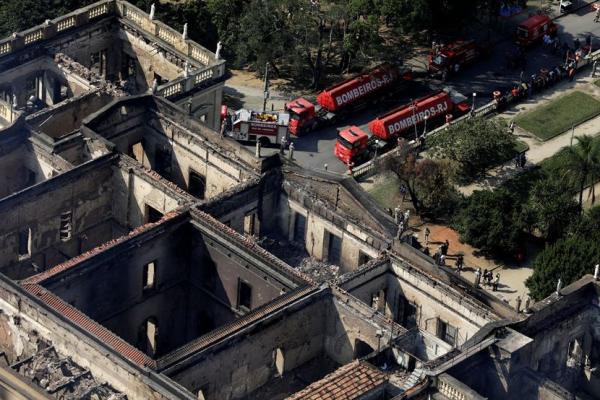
x=266, y=91
x=414, y=120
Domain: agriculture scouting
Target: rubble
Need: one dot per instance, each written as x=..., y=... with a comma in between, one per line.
x=62, y=378
x=295, y=255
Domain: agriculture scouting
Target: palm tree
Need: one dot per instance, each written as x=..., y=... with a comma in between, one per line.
x=583, y=163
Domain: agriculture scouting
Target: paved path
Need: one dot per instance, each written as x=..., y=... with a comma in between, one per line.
x=540, y=150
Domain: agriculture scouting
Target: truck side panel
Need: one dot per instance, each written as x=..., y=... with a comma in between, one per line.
x=348, y=92
x=402, y=118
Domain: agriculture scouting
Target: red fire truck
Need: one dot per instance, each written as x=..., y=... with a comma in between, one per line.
x=354, y=145
x=264, y=127
x=534, y=28
x=451, y=58
x=344, y=97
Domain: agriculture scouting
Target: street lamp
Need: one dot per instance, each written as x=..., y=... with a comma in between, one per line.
x=425, y=127
x=376, y=148
x=414, y=119
x=474, y=96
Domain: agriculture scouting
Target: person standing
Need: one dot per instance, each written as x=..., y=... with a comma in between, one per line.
x=597, y=15
x=477, y=277
x=459, y=263
x=496, y=282
x=427, y=233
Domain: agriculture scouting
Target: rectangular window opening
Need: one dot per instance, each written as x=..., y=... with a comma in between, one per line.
x=249, y=224
x=162, y=161
x=447, y=332
x=151, y=214
x=25, y=242
x=244, y=295
x=197, y=185
x=150, y=275
x=66, y=225
x=334, y=249
x=299, y=228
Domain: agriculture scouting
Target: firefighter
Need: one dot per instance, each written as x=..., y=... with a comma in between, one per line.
x=597, y=15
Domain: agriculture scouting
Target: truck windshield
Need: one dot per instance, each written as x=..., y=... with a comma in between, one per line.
x=346, y=143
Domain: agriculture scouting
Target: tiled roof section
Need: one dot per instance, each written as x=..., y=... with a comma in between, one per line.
x=251, y=245
x=42, y=276
x=83, y=321
x=346, y=383
x=223, y=332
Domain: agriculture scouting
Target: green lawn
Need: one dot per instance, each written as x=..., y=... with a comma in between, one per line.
x=559, y=115
x=597, y=83
x=387, y=192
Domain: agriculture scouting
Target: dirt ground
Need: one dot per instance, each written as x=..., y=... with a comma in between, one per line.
x=512, y=276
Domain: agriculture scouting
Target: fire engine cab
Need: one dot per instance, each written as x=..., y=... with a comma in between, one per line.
x=453, y=57
x=534, y=28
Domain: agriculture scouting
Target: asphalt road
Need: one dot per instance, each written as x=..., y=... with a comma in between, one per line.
x=316, y=148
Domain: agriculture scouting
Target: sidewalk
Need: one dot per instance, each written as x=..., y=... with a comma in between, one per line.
x=539, y=150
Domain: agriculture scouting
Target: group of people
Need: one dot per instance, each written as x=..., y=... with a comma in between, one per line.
x=546, y=77
x=440, y=257
x=488, y=279
x=520, y=160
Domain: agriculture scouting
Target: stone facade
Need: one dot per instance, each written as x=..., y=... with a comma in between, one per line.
x=133, y=259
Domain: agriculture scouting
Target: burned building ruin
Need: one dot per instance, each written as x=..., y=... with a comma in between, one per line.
x=143, y=255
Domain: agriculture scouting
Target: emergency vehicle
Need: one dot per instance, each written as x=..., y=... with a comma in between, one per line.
x=341, y=99
x=354, y=145
x=533, y=29
x=264, y=127
x=453, y=57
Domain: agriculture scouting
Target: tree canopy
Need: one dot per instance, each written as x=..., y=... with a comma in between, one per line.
x=568, y=259
x=490, y=221
x=428, y=182
x=474, y=144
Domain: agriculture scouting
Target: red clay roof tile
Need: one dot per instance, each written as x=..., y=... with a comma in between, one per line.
x=346, y=383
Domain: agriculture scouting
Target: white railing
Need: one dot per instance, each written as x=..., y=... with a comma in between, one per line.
x=98, y=11
x=167, y=35
x=5, y=48
x=34, y=36
x=450, y=391
x=203, y=76
x=65, y=24
x=199, y=54
x=171, y=89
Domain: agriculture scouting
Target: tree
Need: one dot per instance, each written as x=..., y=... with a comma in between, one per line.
x=474, y=144
x=428, y=182
x=568, y=259
x=490, y=221
x=571, y=257
x=583, y=164
x=551, y=208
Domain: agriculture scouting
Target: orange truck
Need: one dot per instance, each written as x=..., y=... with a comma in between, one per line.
x=533, y=29
x=341, y=99
x=354, y=145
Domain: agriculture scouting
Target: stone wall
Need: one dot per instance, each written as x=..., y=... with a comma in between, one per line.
x=433, y=300
x=321, y=325
x=24, y=327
